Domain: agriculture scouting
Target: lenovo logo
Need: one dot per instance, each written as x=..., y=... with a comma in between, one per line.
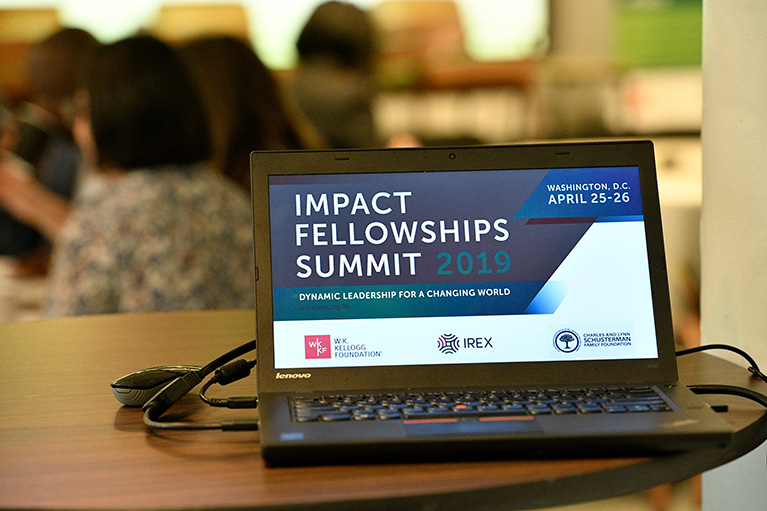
x=291, y=376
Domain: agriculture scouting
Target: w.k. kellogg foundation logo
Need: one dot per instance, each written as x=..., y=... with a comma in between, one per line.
x=567, y=341
x=317, y=346
x=448, y=344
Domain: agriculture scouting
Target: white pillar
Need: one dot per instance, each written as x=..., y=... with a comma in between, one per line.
x=734, y=213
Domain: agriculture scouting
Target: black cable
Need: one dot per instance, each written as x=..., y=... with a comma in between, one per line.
x=227, y=357
x=753, y=368
x=729, y=389
x=178, y=425
x=181, y=386
x=224, y=375
x=223, y=426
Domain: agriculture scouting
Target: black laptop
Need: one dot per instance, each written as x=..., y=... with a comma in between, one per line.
x=467, y=302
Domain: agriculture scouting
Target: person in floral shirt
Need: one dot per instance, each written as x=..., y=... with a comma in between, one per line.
x=156, y=229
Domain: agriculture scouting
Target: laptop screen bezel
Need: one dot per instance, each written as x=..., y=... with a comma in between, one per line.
x=507, y=157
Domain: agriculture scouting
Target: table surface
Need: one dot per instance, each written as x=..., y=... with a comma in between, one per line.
x=66, y=443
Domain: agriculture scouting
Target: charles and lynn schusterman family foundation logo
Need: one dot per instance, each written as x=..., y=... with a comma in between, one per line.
x=567, y=341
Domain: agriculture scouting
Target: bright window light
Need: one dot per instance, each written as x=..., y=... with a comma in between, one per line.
x=493, y=29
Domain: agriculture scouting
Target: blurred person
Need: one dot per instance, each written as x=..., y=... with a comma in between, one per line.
x=334, y=84
x=244, y=104
x=31, y=204
x=161, y=231
x=37, y=144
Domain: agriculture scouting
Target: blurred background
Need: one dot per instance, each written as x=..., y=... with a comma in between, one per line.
x=454, y=72
x=488, y=70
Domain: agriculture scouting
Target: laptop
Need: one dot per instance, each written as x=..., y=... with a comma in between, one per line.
x=466, y=302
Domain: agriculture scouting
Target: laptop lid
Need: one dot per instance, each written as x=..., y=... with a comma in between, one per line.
x=521, y=265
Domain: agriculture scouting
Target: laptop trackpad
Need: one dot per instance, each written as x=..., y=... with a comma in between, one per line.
x=471, y=427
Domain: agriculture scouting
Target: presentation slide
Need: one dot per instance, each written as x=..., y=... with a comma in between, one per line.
x=459, y=267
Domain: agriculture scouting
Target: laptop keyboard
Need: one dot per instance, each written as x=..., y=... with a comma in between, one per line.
x=479, y=404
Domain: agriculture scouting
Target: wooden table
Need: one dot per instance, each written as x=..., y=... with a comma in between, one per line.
x=66, y=443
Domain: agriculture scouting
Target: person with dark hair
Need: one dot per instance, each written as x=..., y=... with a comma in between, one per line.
x=243, y=102
x=144, y=110
x=160, y=231
x=334, y=85
x=38, y=142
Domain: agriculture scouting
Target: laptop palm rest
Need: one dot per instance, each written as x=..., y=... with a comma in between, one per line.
x=473, y=427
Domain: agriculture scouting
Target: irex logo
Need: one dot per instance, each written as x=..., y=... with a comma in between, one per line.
x=317, y=346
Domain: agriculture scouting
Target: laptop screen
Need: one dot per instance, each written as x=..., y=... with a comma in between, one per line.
x=459, y=267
